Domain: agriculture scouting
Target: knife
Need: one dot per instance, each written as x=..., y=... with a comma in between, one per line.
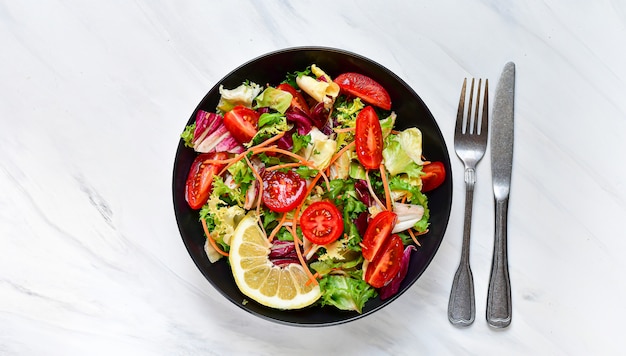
x=499, y=294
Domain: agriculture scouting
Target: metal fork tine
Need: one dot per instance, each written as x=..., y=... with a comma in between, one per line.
x=469, y=123
x=475, y=122
x=485, y=117
x=459, y=129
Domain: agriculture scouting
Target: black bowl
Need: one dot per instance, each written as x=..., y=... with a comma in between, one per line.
x=411, y=110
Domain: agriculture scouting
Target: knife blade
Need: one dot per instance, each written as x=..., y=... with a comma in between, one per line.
x=499, y=307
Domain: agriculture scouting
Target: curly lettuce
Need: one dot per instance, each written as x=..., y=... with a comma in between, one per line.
x=346, y=293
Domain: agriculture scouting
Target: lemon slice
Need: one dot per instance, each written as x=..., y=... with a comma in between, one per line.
x=259, y=279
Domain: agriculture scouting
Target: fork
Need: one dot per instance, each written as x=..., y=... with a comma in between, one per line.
x=470, y=144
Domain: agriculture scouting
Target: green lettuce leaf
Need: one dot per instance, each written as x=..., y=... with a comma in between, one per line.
x=274, y=98
x=270, y=125
x=403, y=153
x=187, y=135
x=343, y=194
x=345, y=293
x=300, y=141
x=242, y=95
x=386, y=124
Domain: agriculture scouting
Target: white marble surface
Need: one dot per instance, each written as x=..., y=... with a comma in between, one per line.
x=93, y=96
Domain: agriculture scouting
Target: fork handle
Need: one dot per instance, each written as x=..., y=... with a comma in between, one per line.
x=499, y=295
x=461, y=307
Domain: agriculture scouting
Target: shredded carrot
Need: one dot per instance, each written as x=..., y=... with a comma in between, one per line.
x=325, y=179
x=383, y=176
x=277, y=228
x=211, y=240
x=341, y=152
x=285, y=152
x=237, y=158
x=233, y=161
x=260, y=180
x=412, y=234
x=421, y=233
x=281, y=166
x=269, y=140
x=221, y=161
x=300, y=257
x=308, y=250
x=315, y=277
x=395, y=132
x=266, y=142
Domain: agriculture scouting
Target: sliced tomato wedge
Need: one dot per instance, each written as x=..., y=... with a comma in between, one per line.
x=387, y=263
x=198, y=186
x=377, y=233
x=242, y=123
x=365, y=88
x=283, y=191
x=321, y=223
x=298, y=100
x=434, y=175
x=369, y=138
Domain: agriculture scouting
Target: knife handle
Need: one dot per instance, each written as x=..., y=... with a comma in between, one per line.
x=499, y=295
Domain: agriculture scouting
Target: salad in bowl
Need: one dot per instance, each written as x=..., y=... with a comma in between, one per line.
x=308, y=192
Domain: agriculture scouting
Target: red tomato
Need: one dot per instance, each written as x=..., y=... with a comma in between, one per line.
x=387, y=264
x=365, y=88
x=283, y=191
x=242, y=123
x=377, y=233
x=321, y=223
x=434, y=175
x=369, y=138
x=198, y=186
x=298, y=100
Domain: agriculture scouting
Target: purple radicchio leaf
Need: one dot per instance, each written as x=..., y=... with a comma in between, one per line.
x=229, y=144
x=319, y=118
x=211, y=135
x=361, y=223
x=263, y=110
x=206, y=123
x=283, y=253
x=300, y=119
x=362, y=192
x=286, y=142
x=392, y=288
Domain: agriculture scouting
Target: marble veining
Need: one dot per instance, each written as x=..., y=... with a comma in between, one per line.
x=95, y=95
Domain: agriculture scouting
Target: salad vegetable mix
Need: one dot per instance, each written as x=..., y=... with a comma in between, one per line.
x=332, y=188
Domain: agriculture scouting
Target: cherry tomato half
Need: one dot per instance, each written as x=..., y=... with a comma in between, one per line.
x=298, y=100
x=200, y=178
x=377, y=233
x=242, y=123
x=321, y=223
x=434, y=175
x=365, y=88
x=283, y=191
x=369, y=138
x=387, y=264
